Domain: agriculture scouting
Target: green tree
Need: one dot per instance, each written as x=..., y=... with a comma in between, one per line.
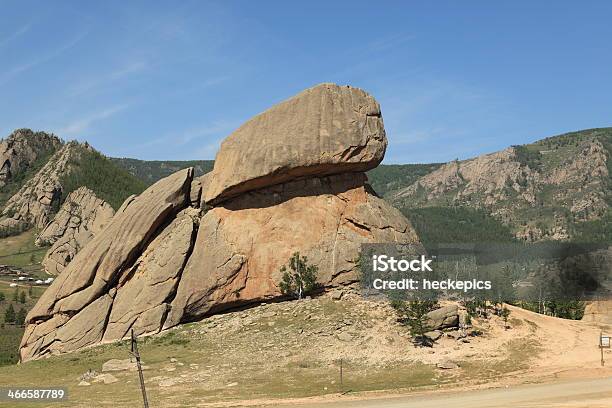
x=21, y=316
x=9, y=314
x=22, y=297
x=299, y=278
x=505, y=313
x=413, y=314
x=16, y=295
x=2, y=297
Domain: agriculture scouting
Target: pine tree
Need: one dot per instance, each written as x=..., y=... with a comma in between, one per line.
x=505, y=313
x=414, y=314
x=22, y=297
x=9, y=314
x=21, y=316
x=16, y=295
x=2, y=297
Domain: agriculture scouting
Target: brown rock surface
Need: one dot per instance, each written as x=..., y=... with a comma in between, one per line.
x=242, y=245
x=327, y=129
x=75, y=309
x=82, y=216
x=33, y=204
x=21, y=149
x=442, y=318
x=162, y=260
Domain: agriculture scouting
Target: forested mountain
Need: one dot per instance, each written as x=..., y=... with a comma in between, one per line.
x=40, y=171
x=151, y=171
x=558, y=188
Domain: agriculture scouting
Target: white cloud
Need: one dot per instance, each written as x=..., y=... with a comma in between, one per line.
x=100, y=81
x=78, y=126
x=11, y=73
x=16, y=34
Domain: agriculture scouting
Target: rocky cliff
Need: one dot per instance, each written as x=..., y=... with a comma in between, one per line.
x=190, y=247
x=81, y=217
x=73, y=166
x=551, y=189
x=21, y=149
x=39, y=198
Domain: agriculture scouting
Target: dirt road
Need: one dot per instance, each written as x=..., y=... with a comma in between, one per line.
x=572, y=394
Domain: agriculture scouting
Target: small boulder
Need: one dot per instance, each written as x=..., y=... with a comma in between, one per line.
x=442, y=318
x=447, y=365
x=118, y=365
x=336, y=294
x=433, y=335
x=169, y=382
x=106, y=379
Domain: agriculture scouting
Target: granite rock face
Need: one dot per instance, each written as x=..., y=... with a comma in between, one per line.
x=242, y=245
x=82, y=216
x=21, y=149
x=75, y=310
x=34, y=204
x=324, y=130
x=169, y=256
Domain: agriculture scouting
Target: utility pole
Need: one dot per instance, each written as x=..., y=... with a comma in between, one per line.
x=341, y=382
x=136, y=355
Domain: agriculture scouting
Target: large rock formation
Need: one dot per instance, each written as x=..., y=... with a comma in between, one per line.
x=39, y=198
x=241, y=245
x=21, y=149
x=166, y=259
x=81, y=217
x=327, y=129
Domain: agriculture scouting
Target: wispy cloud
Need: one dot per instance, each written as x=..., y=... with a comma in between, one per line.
x=121, y=72
x=80, y=125
x=15, y=34
x=11, y=73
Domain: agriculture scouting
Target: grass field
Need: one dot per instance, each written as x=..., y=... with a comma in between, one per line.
x=285, y=350
x=21, y=252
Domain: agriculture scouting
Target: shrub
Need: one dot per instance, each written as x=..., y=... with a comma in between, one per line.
x=300, y=278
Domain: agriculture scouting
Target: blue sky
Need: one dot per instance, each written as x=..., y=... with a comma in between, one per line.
x=169, y=80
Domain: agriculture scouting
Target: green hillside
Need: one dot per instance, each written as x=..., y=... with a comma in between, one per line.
x=558, y=188
x=457, y=225
x=151, y=171
x=390, y=177
x=102, y=175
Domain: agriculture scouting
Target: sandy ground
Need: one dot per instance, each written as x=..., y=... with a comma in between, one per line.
x=566, y=394
x=566, y=368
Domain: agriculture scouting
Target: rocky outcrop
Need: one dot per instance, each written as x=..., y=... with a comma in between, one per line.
x=168, y=258
x=39, y=198
x=75, y=310
x=541, y=191
x=324, y=130
x=242, y=245
x=21, y=149
x=81, y=217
